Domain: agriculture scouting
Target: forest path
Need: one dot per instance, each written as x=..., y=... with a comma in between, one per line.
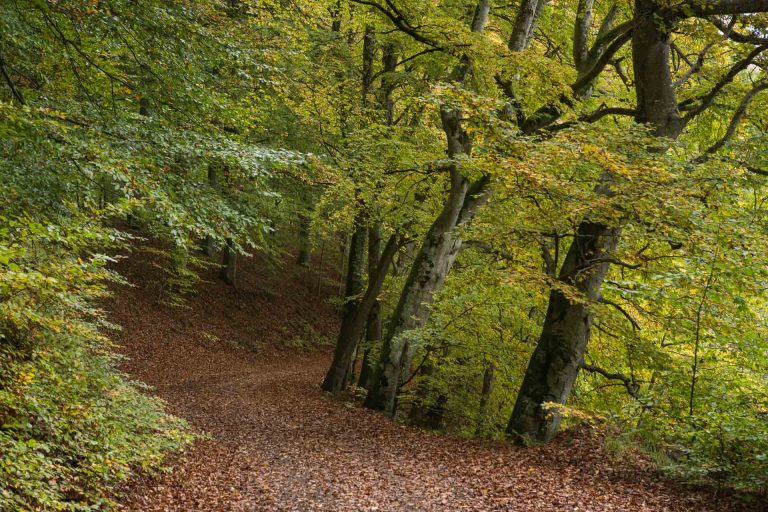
x=277, y=443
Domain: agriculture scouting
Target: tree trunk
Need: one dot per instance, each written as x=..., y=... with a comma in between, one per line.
x=353, y=326
x=374, y=324
x=559, y=353
x=304, y=253
x=355, y=268
x=427, y=411
x=349, y=336
x=525, y=21
x=489, y=378
x=208, y=247
x=436, y=256
x=229, y=264
x=555, y=362
x=434, y=260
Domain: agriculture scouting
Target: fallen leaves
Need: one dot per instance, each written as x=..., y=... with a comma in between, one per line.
x=279, y=444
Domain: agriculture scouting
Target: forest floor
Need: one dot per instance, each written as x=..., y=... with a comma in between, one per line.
x=277, y=443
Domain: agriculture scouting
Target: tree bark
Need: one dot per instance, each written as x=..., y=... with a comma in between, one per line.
x=353, y=326
x=525, y=22
x=354, y=281
x=489, y=378
x=373, y=328
x=435, y=258
x=304, y=252
x=555, y=362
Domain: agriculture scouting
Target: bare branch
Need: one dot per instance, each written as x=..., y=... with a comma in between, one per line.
x=747, y=167
x=407, y=59
x=595, y=116
x=399, y=21
x=695, y=67
x=737, y=115
x=617, y=307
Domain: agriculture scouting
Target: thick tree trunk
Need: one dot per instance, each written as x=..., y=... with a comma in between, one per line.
x=559, y=353
x=374, y=324
x=434, y=260
x=353, y=326
x=355, y=268
x=229, y=264
x=558, y=356
x=656, y=100
x=436, y=256
x=349, y=335
x=525, y=21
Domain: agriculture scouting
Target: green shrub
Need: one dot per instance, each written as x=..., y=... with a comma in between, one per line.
x=72, y=426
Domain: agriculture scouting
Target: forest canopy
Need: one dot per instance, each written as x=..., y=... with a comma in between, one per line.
x=553, y=214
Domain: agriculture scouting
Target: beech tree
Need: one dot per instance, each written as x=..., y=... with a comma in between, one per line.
x=603, y=83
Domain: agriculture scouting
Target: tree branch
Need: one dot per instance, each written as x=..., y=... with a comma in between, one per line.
x=701, y=9
x=621, y=310
x=695, y=67
x=399, y=21
x=707, y=99
x=737, y=115
x=632, y=388
x=10, y=83
x=737, y=36
x=595, y=116
x=604, y=58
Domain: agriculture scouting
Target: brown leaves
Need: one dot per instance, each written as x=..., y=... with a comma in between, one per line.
x=279, y=444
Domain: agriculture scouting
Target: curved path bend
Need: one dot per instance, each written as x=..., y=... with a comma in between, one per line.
x=277, y=443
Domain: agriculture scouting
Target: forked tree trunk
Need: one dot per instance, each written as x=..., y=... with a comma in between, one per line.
x=436, y=256
x=558, y=356
x=353, y=326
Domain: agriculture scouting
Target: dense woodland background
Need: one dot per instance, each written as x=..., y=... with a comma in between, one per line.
x=549, y=214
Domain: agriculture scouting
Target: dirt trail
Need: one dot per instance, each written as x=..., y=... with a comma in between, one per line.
x=279, y=444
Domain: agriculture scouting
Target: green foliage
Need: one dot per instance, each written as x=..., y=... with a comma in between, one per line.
x=174, y=116
x=71, y=426
x=112, y=113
